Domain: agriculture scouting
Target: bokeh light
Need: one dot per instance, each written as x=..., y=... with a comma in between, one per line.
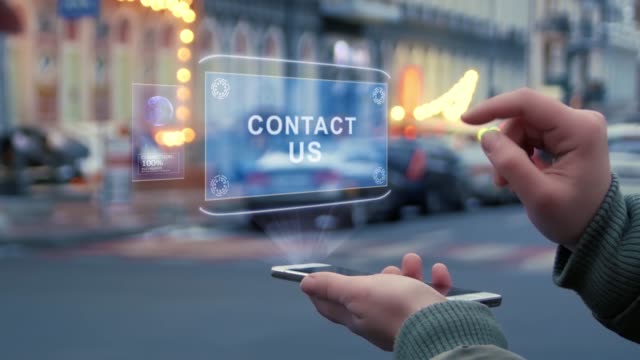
x=184, y=54
x=180, y=9
x=156, y=5
x=188, y=134
x=189, y=16
x=183, y=93
x=183, y=113
x=397, y=113
x=410, y=132
x=183, y=75
x=186, y=36
x=452, y=104
x=170, y=138
x=170, y=4
x=410, y=93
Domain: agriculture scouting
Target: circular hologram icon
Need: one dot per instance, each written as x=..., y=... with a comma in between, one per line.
x=379, y=175
x=219, y=185
x=220, y=88
x=378, y=95
x=158, y=111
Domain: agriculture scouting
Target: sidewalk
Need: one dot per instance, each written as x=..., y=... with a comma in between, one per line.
x=67, y=215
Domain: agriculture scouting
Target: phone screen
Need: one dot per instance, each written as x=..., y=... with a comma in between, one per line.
x=452, y=291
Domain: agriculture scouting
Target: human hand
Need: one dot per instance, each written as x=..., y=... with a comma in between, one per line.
x=375, y=306
x=560, y=198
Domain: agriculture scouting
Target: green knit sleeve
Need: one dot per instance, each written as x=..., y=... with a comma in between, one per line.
x=478, y=352
x=604, y=269
x=449, y=329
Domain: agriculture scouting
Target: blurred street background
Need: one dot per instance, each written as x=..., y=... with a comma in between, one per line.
x=93, y=266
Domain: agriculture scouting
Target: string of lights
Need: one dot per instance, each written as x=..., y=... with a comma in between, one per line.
x=180, y=9
x=451, y=105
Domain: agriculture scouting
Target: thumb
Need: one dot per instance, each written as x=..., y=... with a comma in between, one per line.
x=512, y=163
x=329, y=286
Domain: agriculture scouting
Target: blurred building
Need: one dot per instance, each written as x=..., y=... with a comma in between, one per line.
x=9, y=24
x=427, y=46
x=75, y=73
x=588, y=49
x=73, y=64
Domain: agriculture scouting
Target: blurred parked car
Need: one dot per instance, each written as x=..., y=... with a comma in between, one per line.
x=346, y=166
x=41, y=157
x=480, y=177
x=425, y=172
x=273, y=174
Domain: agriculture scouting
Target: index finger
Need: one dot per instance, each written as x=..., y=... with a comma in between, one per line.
x=330, y=286
x=535, y=109
x=412, y=266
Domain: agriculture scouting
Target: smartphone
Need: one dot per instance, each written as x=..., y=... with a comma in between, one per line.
x=299, y=271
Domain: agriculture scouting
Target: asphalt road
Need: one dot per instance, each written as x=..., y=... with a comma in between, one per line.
x=200, y=293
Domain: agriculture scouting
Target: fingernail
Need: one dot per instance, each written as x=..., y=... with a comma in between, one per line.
x=489, y=138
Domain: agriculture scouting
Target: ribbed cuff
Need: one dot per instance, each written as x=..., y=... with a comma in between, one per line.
x=604, y=267
x=444, y=326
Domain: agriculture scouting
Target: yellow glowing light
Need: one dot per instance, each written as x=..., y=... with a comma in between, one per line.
x=397, y=113
x=156, y=5
x=189, y=16
x=179, y=137
x=180, y=9
x=452, y=104
x=164, y=137
x=145, y=3
x=183, y=93
x=170, y=138
x=186, y=36
x=158, y=138
x=188, y=134
x=174, y=140
x=183, y=75
x=184, y=54
x=482, y=131
x=171, y=4
x=411, y=87
x=183, y=113
x=188, y=2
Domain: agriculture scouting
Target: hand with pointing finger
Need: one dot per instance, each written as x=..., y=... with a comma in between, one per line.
x=560, y=198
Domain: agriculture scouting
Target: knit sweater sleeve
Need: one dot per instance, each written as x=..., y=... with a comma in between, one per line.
x=452, y=330
x=604, y=269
